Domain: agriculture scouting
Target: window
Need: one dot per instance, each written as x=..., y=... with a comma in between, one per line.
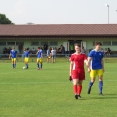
x=114, y=43
x=34, y=43
x=10, y=43
x=2, y=43
x=107, y=43
x=53, y=43
x=17, y=43
x=42, y=43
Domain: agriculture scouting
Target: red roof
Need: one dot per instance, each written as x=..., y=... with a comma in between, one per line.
x=59, y=30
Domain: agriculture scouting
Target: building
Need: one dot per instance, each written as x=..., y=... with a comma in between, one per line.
x=56, y=35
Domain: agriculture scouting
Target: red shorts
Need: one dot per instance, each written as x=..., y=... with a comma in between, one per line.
x=78, y=74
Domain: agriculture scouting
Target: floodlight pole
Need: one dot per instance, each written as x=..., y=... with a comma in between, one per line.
x=108, y=12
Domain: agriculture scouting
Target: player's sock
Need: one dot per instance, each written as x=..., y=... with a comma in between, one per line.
x=100, y=86
x=38, y=65
x=75, y=89
x=41, y=65
x=79, y=89
x=90, y=85
x=14, y=65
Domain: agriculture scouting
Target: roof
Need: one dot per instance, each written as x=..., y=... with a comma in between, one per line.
x=59, y=30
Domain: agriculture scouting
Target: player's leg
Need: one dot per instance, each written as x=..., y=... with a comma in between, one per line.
x=92, y=75
x=26, y=62
x=79, y=88
x=41, y=64
x=54, y=58
x=100, y=76
x=38, y=63
x=14, y=62
x=75, y=82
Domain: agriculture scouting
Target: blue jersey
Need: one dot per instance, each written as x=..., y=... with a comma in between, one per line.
x=13, y=53
x=39, y=54
x=26, y=54
x=96, y=62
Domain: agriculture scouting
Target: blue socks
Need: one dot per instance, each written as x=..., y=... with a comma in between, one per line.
x=100, y=86
x=38, y=65
x=90, y=84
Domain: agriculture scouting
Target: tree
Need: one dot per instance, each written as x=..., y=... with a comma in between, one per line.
x=4, y=19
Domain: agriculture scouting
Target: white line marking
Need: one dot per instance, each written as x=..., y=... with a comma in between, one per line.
x=33, y=83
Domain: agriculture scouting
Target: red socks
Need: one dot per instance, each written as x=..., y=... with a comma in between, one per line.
x=79, y=89
x=75, y=89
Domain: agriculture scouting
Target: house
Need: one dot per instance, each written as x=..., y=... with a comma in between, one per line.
x=56, y=35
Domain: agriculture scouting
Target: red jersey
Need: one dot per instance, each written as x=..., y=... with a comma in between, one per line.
x=78, y=60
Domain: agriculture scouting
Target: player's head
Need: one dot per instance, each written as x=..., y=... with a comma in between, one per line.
x=77, y=47
x=98, y=45
x=39, y=48
x=13, y=48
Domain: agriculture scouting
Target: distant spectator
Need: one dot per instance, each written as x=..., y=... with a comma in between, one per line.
x=20, y=48
x=48, y=55
x=53, y=52
x=5, y=50
x=105, y=51
x=83, y=50
x=71, y=48
x=33, y=49
x=45, y=47
x=108, y=52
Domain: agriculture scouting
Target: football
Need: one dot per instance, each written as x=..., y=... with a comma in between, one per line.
x=23, y=67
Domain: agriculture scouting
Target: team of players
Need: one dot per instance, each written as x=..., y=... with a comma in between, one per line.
x=13, y=55
x=95, y=67
x=94, y=64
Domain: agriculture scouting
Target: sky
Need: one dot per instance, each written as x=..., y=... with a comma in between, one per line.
x=59, y=11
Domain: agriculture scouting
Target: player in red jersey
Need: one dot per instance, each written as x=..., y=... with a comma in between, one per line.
x=77, y=72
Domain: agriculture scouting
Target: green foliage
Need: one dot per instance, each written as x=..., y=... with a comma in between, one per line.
x=4, y=19
x=49, y=93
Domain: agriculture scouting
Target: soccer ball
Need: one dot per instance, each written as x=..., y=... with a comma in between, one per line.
x=23, y=67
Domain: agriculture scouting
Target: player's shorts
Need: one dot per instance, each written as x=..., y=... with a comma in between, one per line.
x=39, y=60
x=78, y=74
x=95, y=73
x=13, y=59
x=48, y=57
x=53, y=56
x=26, y=59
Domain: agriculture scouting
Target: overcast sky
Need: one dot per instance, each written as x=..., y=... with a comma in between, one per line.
x=59, y=11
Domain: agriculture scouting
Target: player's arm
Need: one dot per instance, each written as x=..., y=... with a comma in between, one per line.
x=71, y=67
x=88, y=63
x=103, y=65
x=10, y=56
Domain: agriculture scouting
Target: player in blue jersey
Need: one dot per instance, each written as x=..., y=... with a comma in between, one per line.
x=42, y=57
x=12, y=56
x=39, y=58
x=26, y=57
x=96, y=66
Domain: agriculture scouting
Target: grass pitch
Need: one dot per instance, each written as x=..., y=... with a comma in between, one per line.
x=49, y=93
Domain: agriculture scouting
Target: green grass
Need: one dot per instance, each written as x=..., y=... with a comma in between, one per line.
x=49, y=93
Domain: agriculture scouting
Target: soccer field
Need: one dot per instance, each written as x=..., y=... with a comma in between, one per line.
x=49, y=93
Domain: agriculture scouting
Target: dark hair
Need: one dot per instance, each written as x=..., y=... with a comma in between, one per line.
x=98, y=43
x=39, y=48
x=76, y=44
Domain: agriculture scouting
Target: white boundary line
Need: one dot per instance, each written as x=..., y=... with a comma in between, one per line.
x=33, y=83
